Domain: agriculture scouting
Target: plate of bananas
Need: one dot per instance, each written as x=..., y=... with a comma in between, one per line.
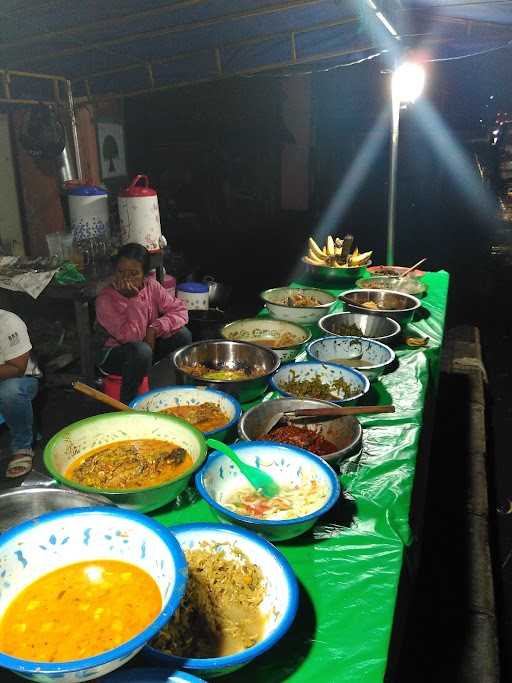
x=336, y=260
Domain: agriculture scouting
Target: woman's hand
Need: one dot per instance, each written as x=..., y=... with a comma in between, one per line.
x=125, y=286
x=150, y=337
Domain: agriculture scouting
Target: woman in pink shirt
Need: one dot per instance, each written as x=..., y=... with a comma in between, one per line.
x=140, y=321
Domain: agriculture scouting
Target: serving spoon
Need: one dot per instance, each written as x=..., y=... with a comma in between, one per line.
x=261, y=481
x=101, y=397
x=409, y=270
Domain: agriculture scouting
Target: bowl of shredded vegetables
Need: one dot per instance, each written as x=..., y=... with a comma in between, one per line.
x=241, y=599
x=308, y=488
x=322, y=381
x=333, y=439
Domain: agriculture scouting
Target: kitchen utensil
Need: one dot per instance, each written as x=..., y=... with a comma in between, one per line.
x=100, y=396
x=228, y=355
x=324, y=412
x=396, y=305
x=261, y=481
x=409, y=270
x=372, y=326
x=139, y=215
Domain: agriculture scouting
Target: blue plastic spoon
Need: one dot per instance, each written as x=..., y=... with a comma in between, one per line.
x=261, y=481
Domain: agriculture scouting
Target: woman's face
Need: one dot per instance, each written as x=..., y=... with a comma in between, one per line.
x=131, y=271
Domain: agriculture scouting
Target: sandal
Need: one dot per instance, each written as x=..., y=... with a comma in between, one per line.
x=20, y=464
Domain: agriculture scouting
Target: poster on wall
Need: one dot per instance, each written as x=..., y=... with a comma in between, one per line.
x=111, y=149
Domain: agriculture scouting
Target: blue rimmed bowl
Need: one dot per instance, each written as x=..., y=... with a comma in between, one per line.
x=34, y=548
x=328, y=373
x=171, y=397
x=287, y=465
x=279, y=605
x=150, y=675
x=377, y=356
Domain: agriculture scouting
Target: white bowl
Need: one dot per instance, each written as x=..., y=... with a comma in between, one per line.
x=328, y=373
x=279, y=604
x=377, y=354
x=287, y=465
x=275, y=301
x=256, y=330
x=34, y=548
x=171, y=397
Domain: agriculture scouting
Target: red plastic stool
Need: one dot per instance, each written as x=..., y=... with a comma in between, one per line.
x=112, y=386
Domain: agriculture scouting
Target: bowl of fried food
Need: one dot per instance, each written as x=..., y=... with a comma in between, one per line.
x=335, y=263
x=241, y=599
x=304, y=306
x=139, y=461
x=383, y=302
x=238, y=368
x=287, y=339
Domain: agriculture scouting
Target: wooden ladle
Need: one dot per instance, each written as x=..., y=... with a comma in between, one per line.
x=101, y=397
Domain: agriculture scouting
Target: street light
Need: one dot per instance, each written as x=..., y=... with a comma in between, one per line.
x=407, y=83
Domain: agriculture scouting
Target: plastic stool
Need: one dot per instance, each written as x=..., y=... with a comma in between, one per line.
x=112, y=386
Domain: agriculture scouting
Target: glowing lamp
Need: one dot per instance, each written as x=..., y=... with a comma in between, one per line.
x=408, y=81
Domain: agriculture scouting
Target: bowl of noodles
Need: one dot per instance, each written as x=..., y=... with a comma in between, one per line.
x=241, y=599
x=140, y=461
x=308, y=486
x=213, y=412
x=239, y=368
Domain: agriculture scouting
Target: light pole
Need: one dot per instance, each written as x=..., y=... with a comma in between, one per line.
x=407, y=84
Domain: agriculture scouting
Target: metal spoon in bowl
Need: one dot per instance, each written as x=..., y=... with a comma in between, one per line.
x=409, y=270
x=261, y=481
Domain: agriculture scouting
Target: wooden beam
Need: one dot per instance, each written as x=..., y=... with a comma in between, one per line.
x=31, y=74
x=170, y=30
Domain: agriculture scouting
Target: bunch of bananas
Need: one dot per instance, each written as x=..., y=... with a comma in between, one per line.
x=333, y=255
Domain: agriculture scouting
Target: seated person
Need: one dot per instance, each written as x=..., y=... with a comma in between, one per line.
x=19, y=383
x=141, y=320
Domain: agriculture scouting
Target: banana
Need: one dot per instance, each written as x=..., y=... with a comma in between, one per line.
x=338, y=242
x=313, y=261
x=361, y=259
x=337, y=251
x=355, y=252
x=330, y=246
x=314, y=248
x=324, y=251
x=314, y=257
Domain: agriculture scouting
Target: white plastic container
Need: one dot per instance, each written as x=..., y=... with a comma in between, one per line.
x=139, y=215
x=194, y=294
x=88, y=213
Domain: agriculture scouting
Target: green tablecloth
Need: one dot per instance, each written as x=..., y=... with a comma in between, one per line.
x=349, y=565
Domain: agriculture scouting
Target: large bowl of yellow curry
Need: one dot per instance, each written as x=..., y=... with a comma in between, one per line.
x=82, y=591
x=140, y=461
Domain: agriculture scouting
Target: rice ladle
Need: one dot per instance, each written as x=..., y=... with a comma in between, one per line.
x=261, y=481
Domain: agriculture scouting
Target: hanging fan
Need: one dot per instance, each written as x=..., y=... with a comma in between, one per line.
x=42, y=133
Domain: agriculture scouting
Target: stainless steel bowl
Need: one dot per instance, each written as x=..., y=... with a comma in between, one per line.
x=344, y=432
x=26, y=502
x=396, y=305
x=229, y=355
x=409, y=285
x=376, y=327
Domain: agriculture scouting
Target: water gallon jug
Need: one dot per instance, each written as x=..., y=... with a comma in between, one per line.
x=139, y=217
x=88, y=213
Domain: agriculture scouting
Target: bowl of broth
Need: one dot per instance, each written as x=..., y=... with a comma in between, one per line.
x=213, y=412
x=241, y=599
x=370, y=357
x=140, y=461
x=287, y=339
x=84, y=590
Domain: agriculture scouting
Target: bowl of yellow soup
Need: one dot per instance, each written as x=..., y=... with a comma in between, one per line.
x=213, y=412
x=82, y=591
x=140, y=461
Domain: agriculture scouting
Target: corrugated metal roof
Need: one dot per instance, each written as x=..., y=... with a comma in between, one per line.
x=128, y=46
